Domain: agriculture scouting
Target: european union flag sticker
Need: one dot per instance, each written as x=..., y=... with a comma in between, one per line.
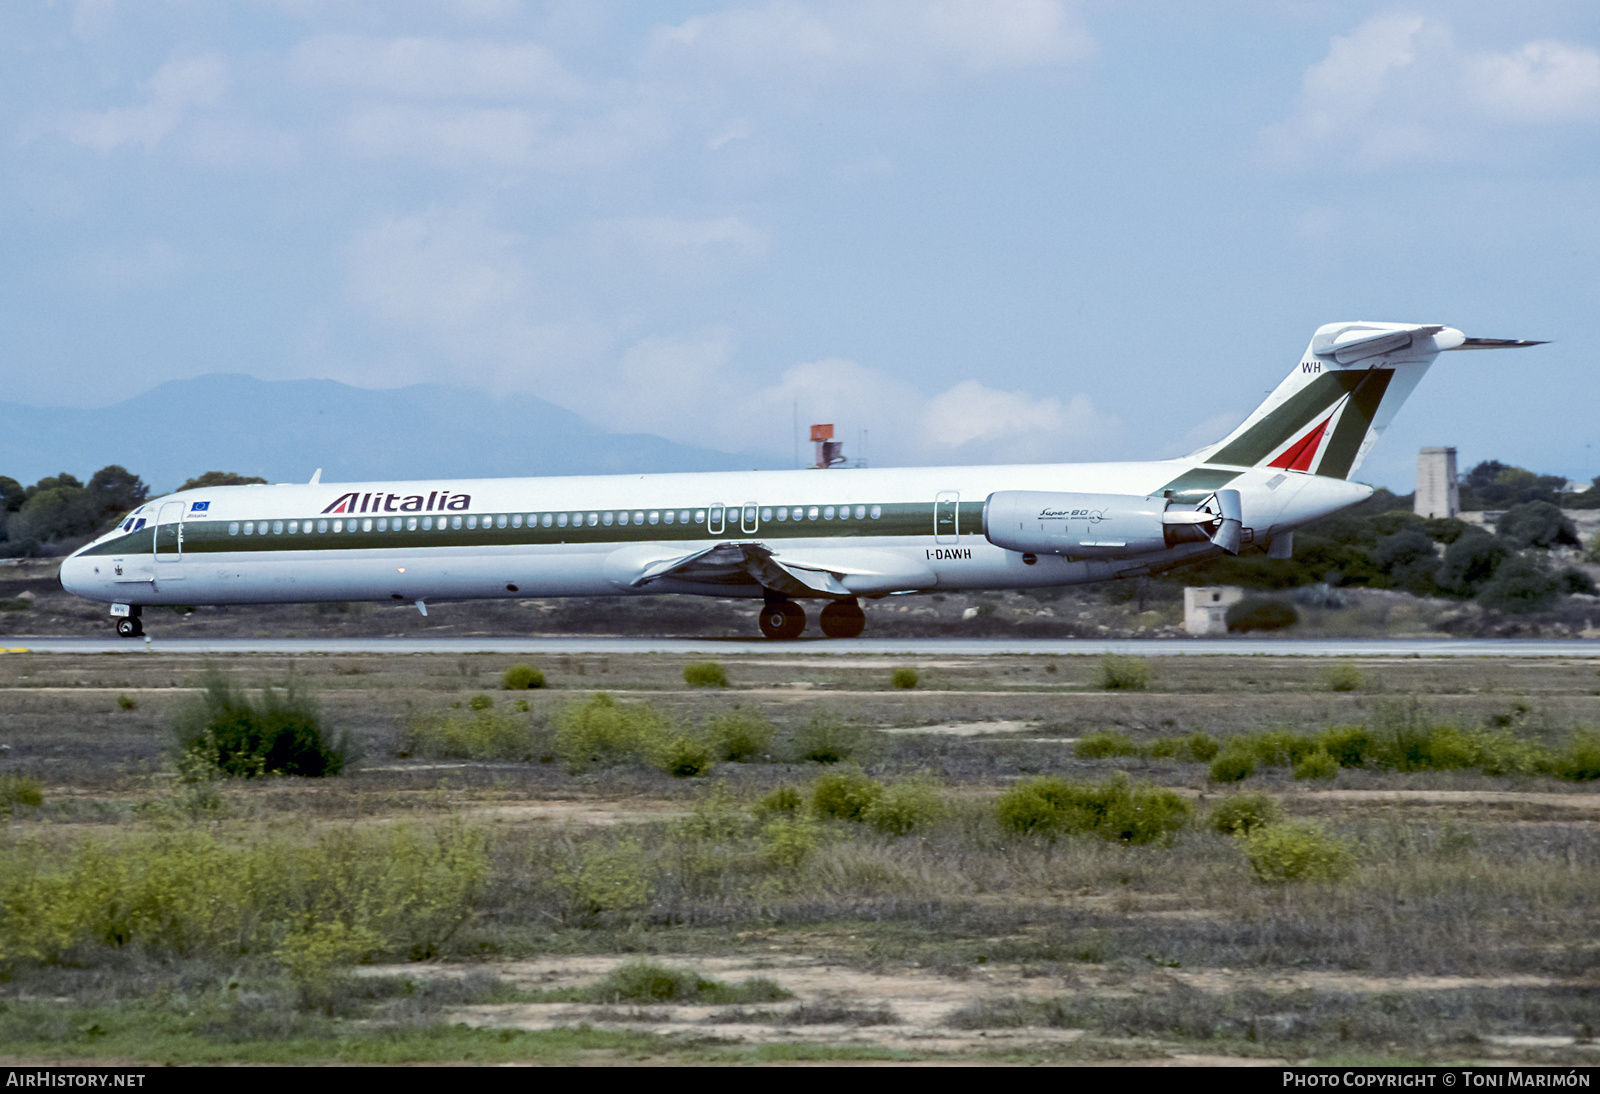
x=200, y=507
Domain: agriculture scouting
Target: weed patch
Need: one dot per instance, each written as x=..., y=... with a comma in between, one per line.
x=1115, y=810
x=705, y=674
x=280, y=733
x=1296, y=851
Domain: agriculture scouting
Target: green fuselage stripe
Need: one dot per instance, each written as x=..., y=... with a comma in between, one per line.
x=201, y=537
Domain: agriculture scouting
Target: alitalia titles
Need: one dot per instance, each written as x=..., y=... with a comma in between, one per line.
x=437, y=500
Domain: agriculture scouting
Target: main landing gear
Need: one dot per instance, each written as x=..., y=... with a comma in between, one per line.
x=785, y=619
x=782, y=619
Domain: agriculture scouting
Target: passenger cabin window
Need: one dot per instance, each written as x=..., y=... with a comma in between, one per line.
x=455, y=522
x=233, y=529
x=608, y=519
x=638, y=516
x=249, y=527
x=594, y=519
x=500, y=521
x=655, y=516
x=699, y=516
x=668, y=517
x=877, y=511
x=783, y=513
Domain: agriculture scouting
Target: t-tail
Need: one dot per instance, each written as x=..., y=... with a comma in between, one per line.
x=1326, y=416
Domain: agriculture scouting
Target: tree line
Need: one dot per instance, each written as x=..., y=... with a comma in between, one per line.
x=60, y=513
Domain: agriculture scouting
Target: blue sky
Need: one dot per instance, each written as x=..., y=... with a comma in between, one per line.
x=981, y=231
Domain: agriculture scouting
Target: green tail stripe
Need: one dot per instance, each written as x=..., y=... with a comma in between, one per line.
x=1354, y=423
x=1269, y=434
x=1196, y=484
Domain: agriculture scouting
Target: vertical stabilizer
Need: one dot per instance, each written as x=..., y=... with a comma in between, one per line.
x=1341, y=396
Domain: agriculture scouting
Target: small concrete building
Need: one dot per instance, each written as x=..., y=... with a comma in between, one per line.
x=1205, y=607
x=1438, y=494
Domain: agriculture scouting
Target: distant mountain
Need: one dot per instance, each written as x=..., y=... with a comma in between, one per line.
x=283, y=430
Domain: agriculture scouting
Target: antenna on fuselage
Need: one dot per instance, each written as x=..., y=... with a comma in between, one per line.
x=317, y=478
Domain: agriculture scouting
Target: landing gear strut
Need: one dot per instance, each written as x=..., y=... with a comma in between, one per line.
x=130, y=625
x=843, y=619
x=782, y=619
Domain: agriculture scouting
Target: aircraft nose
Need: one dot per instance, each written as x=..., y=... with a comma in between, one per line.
x=76, y=575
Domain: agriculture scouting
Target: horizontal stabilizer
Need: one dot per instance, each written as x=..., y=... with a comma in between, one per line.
x=1499, y=343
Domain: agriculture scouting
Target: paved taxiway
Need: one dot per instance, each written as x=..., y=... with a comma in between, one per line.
x=968, y=647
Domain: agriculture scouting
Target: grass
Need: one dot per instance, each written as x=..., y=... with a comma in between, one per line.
x=276, y=889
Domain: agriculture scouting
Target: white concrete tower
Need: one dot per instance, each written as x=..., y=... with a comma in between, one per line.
x=1438, y=495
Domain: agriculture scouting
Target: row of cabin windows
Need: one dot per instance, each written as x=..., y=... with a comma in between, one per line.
x=547, y=520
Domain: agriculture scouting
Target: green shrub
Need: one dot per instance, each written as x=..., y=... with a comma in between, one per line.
x=401, y=889
x=1297, y=851
x=1258, y=613
x=1241, y=814
x=18, y=790
x=127, y=702
x=1102, y=745
x=686, y=757
x=278, y=734
x=1317, y=765
x=828, y=739
x=480, y=701
x=1350, y=746
x=788, y=841
x=904, y=806
x=643, y=982
x=739, y=735
x=904, y=678
x=1581, y=762
x=845, y=795
x=1197, y=747
x=1344, y=676
x=521, y=678
x=1232, y=766
x=705, y=674
x=602, y=732
x=486, y=735
x=785, y=799
x=1124, y=673
x=1115, y=810
x=602, y=880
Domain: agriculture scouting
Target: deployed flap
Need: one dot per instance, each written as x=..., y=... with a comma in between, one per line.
x=822, y=572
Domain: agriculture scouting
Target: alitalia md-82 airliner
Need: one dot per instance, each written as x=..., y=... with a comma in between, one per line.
x=780, y=536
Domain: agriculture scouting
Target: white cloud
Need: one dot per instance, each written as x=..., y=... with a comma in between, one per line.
x=437, y=270
x=1399, y=88
x=690, y=388
x=1541, y=82
x=906, y=39
x=452, y=137
x=176, y=89
x=434, y=68
x=675, y=247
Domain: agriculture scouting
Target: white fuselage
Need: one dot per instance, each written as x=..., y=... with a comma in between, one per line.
x=875, y=531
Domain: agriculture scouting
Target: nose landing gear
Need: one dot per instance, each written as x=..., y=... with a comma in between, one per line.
x=128, y=625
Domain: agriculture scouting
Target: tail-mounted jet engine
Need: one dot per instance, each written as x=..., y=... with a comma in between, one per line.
x=1102, y=525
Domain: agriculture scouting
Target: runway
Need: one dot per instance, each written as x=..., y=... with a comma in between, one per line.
x=822, y=647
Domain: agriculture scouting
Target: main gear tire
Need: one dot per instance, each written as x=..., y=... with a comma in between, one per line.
x=129, y=628
x=782, y=619
x=843, y=619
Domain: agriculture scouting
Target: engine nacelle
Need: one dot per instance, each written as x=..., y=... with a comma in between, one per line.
x=1092, y=525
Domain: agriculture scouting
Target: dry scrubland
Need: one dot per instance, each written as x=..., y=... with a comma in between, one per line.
x=990, y=858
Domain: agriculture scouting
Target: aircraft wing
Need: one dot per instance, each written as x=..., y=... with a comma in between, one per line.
x=828, y=572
